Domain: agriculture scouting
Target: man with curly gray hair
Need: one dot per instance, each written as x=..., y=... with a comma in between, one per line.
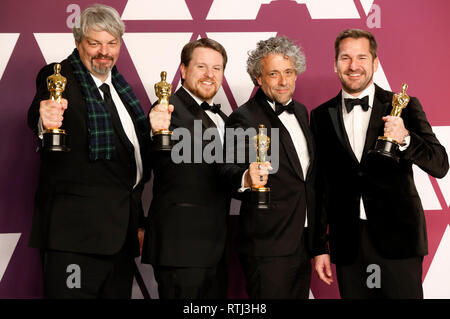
x=275, y=45
x=275, y=243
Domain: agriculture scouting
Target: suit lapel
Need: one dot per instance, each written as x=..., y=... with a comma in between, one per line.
x=285, y=138
x=304, y=125
x=194, y=108
x=376, y=123
x=223, y=115
x=141, y=134
x=118, y=127
x=335, y=112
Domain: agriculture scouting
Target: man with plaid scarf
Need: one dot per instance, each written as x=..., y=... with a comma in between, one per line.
x=88, y=209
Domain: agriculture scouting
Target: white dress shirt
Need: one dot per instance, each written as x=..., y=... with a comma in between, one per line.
x=356, y=123
x=215, y=117
x=298, y=138
x=127, y=123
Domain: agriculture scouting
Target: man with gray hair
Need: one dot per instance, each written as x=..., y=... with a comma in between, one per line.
x=88, y=203
x=275, y=244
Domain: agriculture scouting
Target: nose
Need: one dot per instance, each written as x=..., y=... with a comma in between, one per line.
x=209, y=72
x=354, y=64
x=103, y=49
x=282, y=80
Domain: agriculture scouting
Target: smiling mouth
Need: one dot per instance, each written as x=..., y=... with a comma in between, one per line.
x=102, y=58
x=207, y=83
x=354, y=75
x=282, y=90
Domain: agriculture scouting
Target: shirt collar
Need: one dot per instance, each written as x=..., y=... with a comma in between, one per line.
x=99, y=82
x=370, y=91
x=272, y=103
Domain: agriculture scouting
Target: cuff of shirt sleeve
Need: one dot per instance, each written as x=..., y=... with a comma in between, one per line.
x=243, y=188
x=406, y=143
x=40, y=129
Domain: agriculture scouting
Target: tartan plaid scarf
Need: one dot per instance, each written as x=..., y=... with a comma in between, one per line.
x=100, y=127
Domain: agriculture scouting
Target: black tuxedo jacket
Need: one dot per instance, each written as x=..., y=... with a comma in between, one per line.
x=393, y=208
x=187, y=222
x=275, y=231
x=83, y=206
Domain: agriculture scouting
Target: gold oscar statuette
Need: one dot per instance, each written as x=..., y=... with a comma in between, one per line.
x=55, y=138
x=162, y=139
x=260, y=196
x=387, y=146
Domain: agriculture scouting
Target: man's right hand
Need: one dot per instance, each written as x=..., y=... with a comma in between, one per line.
x=257, y=174
x=160, y=117
x=51, y=113
x=322, y=265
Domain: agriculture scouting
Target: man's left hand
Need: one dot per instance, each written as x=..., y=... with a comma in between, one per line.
x=394, y=128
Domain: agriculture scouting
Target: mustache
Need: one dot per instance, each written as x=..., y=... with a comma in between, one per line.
x=282, y=87
x=355, y=71
x=208, y=80
x=101, y=56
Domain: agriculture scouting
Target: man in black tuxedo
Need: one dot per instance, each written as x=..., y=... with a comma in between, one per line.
x=187, y=225
x=377, y=230
x=275, y=243
x=88, y=202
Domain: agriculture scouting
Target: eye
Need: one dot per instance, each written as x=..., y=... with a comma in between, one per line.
x=289, y=72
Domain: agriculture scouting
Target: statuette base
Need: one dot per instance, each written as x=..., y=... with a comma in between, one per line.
x=260, y=197
x=55, y=141
x=162, y=141
x=386, y=147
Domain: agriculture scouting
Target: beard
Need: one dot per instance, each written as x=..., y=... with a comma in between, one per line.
x=200, y=92
x=101, y=69
x=350, y=88
x=358, y=89
x=283, y=99
x=277, y=97
x=204, y=95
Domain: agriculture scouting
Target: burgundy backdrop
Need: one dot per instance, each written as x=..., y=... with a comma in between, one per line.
x=413, y=48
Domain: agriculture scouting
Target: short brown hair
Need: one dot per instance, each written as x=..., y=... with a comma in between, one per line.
x=186, y=53
x=356, y=34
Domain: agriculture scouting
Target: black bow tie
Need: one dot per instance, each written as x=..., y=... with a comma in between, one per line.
x=215, y=108
x=280, y=108
x=350, y=103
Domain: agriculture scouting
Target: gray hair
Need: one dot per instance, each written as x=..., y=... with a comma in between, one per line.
x=99, y=17
x=274, y=45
